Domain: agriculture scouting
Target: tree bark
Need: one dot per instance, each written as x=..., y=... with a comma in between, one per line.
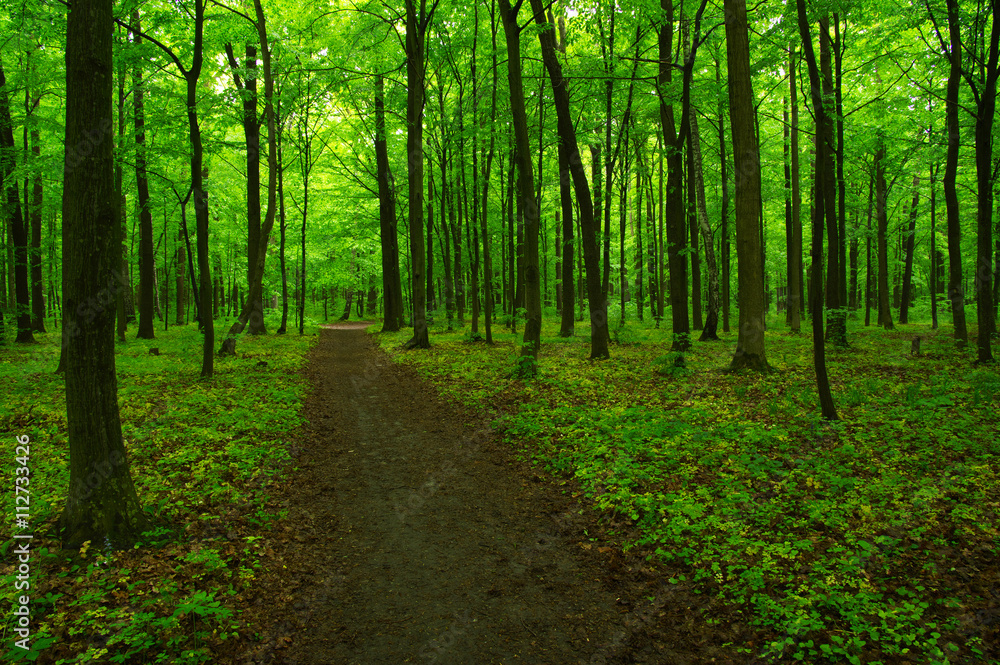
x=956, y=293
x=597, y=304
x=904, y=303
x=882, y=219
x=101, y=504
x=710, y=331
x=18, y=226
x=247, y=88
x=985, y=112
x=147, y=287
x=750, y=350
x=416, y=27
x=35, y=215
x=525, y=181
x=392, y=291
x=827, y=407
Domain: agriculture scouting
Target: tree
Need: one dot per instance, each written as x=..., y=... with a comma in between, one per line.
x=418, y=17
x=750, y=352
x=827, y=406
x=247, y=88
x=525, y=181
x=392, y=292
x=101, y=505
x=147, y=267
x=596, y=301
x=19, y=230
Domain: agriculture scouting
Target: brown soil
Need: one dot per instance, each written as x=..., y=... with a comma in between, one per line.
x=413, y=535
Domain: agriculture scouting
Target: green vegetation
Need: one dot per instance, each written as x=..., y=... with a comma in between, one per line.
x=849, y=541
x=205, y=455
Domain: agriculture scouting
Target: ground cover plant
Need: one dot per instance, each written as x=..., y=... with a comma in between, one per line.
x=205, y=455
x=872, y=539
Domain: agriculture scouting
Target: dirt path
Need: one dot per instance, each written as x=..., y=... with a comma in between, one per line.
x=412, y=537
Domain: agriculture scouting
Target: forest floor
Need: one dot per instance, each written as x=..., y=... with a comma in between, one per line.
x=413, y=535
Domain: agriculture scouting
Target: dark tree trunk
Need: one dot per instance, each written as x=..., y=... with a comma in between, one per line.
x=882, y=218
x=282, y=224
x=985, y=113
x=904, y=305
x=934, y=255
x=525, y=181
x=18, y=226
x=836, y=316
x=566, y=273
x=101, y=504
x=567, y=136
x=795, y=283
x=37, y=282
x=147, y=265
x=710, y=331
x=750, y=350
x=724, y=246
x=392, y=292
x=417, y=20
x=247, y=88
x=827, y=405
x=956, y=293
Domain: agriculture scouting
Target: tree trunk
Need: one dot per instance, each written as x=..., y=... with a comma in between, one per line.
x=18, y=226
x=37, y=282
x=710, y=331
x=827, y=407
x=567, y=135
x=566, y=328
x=416, y=26
x=101, y=504
x=836, y=316
x=525, y=181
x=985, y=113
x=795, y=286
x=147, y=288
x=956, y=293
x=904, y=305
x=247, y=89
x=750, y=351
x=392, y=291
x=724, y=246
x=881, y=216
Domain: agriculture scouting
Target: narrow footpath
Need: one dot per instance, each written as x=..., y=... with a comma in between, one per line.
x=413, y=536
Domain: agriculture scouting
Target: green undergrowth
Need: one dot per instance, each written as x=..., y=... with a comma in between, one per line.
x=204, y=455
x=867, y=540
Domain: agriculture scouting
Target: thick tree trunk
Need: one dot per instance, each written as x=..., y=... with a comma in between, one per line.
x=956, y=293
x=392, y=291
x=567, y=135
x=984, y=178
x=525, y=183
x=836, y=316
x=904, y=303
x=416, y=26
x=101, y=504
x=750, y=350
